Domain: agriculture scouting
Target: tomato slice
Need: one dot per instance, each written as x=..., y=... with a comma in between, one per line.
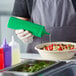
x=60, y=49
x=72, y=48
x=47, y=48
x=51, y=47
x=66, y=47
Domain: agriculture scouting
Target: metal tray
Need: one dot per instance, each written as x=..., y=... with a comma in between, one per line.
x=17, y=69
x=68, y=69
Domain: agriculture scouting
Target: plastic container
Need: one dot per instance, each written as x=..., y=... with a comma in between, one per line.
x=56, y=55
x=35, y=29
x=15, y=51
x=1, y=59
x=7, y=54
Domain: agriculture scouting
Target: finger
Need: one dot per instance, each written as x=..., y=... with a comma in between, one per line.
x=27, y=36
x=19, y=31
x=23, y=34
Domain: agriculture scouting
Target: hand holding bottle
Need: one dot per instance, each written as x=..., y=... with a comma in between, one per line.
x=25, y=36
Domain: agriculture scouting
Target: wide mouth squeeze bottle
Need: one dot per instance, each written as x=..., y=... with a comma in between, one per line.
x=15, y=51
x=36, y=29
x=1, y=59
x=7, y=54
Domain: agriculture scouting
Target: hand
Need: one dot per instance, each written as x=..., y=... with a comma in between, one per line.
x=25, y=36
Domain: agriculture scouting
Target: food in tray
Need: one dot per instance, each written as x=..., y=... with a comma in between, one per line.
x=33, y=67
x=58, y=47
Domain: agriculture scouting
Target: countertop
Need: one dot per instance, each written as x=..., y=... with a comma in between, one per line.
x=31, y=56
x=38, y=57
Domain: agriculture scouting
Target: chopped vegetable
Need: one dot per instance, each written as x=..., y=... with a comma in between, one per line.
x=38, y=65
x=58, y=47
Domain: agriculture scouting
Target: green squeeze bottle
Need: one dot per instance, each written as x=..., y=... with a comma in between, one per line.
x=35, y=29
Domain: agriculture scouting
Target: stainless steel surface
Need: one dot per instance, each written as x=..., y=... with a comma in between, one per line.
x=6, y=5
x=38, y=57
x=13, y=74
x=5, y=13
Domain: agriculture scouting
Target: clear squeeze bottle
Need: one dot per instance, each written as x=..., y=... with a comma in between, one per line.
x=1, y=59
x=7, y=54
x=15, y=51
